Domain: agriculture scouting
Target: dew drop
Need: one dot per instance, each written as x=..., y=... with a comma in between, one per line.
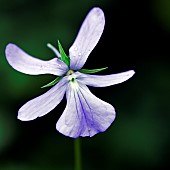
x=75, y=48
x=42, y=66
x=79, y=54
x=47, y=66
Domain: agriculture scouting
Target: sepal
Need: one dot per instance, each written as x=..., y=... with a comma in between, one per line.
x=53, y=82
x=63, y=57
x=89, y=71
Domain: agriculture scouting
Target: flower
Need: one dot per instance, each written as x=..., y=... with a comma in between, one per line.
x=85, y=114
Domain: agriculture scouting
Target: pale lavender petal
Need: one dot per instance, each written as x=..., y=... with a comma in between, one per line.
x=27, y=64
x=104, y=80
x=85, y=114
x=43, y=104
x=69, y=123
x=87, y=38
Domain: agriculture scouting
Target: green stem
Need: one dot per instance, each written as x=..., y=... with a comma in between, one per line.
x=77, y=152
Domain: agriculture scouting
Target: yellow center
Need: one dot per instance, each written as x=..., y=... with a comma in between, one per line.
x=72, y=79
x=70, y=72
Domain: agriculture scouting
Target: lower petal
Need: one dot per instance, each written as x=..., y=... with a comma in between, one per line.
x=43, y=104
x=85, y=114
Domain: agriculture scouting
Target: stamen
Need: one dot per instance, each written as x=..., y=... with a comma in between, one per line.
x=70, y=72
x=54, y=50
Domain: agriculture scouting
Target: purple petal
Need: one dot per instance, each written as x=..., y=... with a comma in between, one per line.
x=87, y=38
x=27, y=64
x=45, y=103
x=85, y=114
x=104, y=80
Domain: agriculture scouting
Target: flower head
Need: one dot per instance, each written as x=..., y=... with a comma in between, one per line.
x=85, y=114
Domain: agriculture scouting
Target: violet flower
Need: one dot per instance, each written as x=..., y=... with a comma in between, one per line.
x=85, y=114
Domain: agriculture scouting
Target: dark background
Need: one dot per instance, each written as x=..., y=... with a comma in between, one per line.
x=136, y=36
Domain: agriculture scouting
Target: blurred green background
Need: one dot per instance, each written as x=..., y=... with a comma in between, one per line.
x=136, y=36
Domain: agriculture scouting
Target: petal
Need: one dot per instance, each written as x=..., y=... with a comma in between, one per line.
x=45, y=103
x=87, y=38
x=27, y=64
x=104, y=80
x=85, y=114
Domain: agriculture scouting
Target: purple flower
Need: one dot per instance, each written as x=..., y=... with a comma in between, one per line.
x=85, y=114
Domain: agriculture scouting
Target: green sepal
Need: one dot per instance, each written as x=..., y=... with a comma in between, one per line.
x=53, y=82
x=63, y=57
x=92, y=70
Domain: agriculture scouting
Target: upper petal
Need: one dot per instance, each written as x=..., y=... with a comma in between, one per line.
x=104, y=80
x=87, y=38
x=27, y=64
x=43, y=104
x=85, y=114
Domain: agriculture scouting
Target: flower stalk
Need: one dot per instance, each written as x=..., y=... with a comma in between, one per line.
x=77, y=154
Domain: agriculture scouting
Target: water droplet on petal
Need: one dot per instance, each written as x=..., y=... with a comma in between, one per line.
x=47, y=66
x=79, y=54
x=42, y=66
x=75, y=48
